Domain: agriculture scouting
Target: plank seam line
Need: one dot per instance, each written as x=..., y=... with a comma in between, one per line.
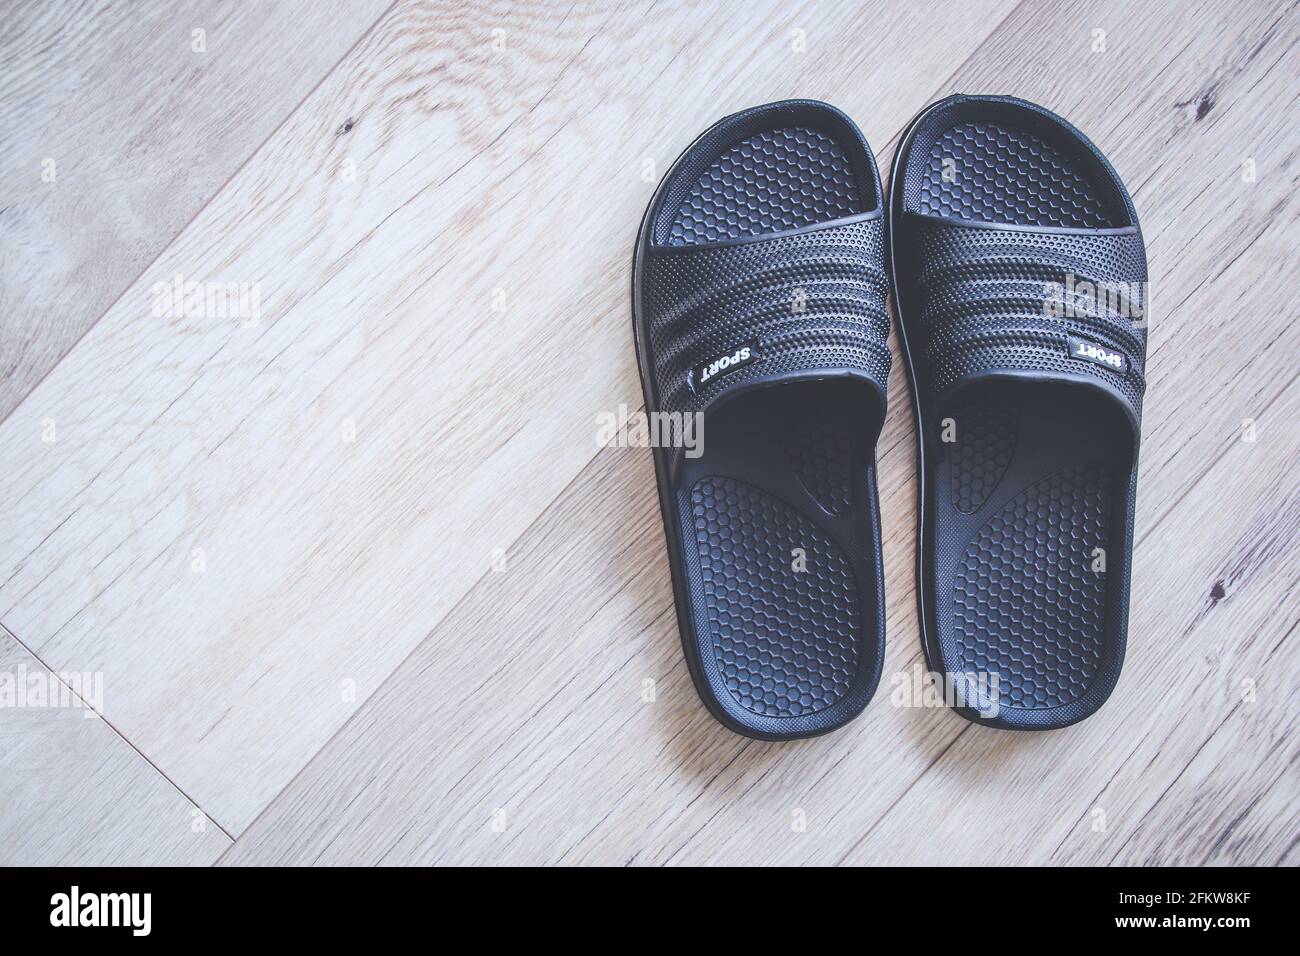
x=5, y=631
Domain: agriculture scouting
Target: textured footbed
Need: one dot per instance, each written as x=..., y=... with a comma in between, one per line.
x=1024, y=509
x=994, y=172
x=1028, y=487
x=776, y=180
x=778, y=518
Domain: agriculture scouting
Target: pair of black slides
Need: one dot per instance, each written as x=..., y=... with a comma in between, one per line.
x=759, y=291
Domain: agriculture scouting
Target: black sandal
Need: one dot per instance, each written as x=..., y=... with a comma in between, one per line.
x=1020, y=281
x=758, y=303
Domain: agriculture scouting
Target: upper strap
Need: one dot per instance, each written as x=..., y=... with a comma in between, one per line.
x=732, y=316
x=1055, y=304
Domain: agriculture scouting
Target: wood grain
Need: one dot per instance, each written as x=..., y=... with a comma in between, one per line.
x=74, y=793
x=368, y=591
x=557, y=648
x=142, y=128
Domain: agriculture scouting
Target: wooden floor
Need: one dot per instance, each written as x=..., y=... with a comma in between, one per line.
x=361, y=585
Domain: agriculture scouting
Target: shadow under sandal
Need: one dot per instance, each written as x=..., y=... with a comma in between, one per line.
x=758, y=301
x=1020, y=278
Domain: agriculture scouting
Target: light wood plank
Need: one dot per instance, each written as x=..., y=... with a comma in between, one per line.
x=328, y=561
x=142, y=129
x=554, y=651
x=73, y=792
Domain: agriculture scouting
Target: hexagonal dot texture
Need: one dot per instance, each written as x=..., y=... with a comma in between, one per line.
x=820, y=452
x=779, y=179
x=1027, y=604
x=986, y=431
x=785, y=641
x=1000, y=174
